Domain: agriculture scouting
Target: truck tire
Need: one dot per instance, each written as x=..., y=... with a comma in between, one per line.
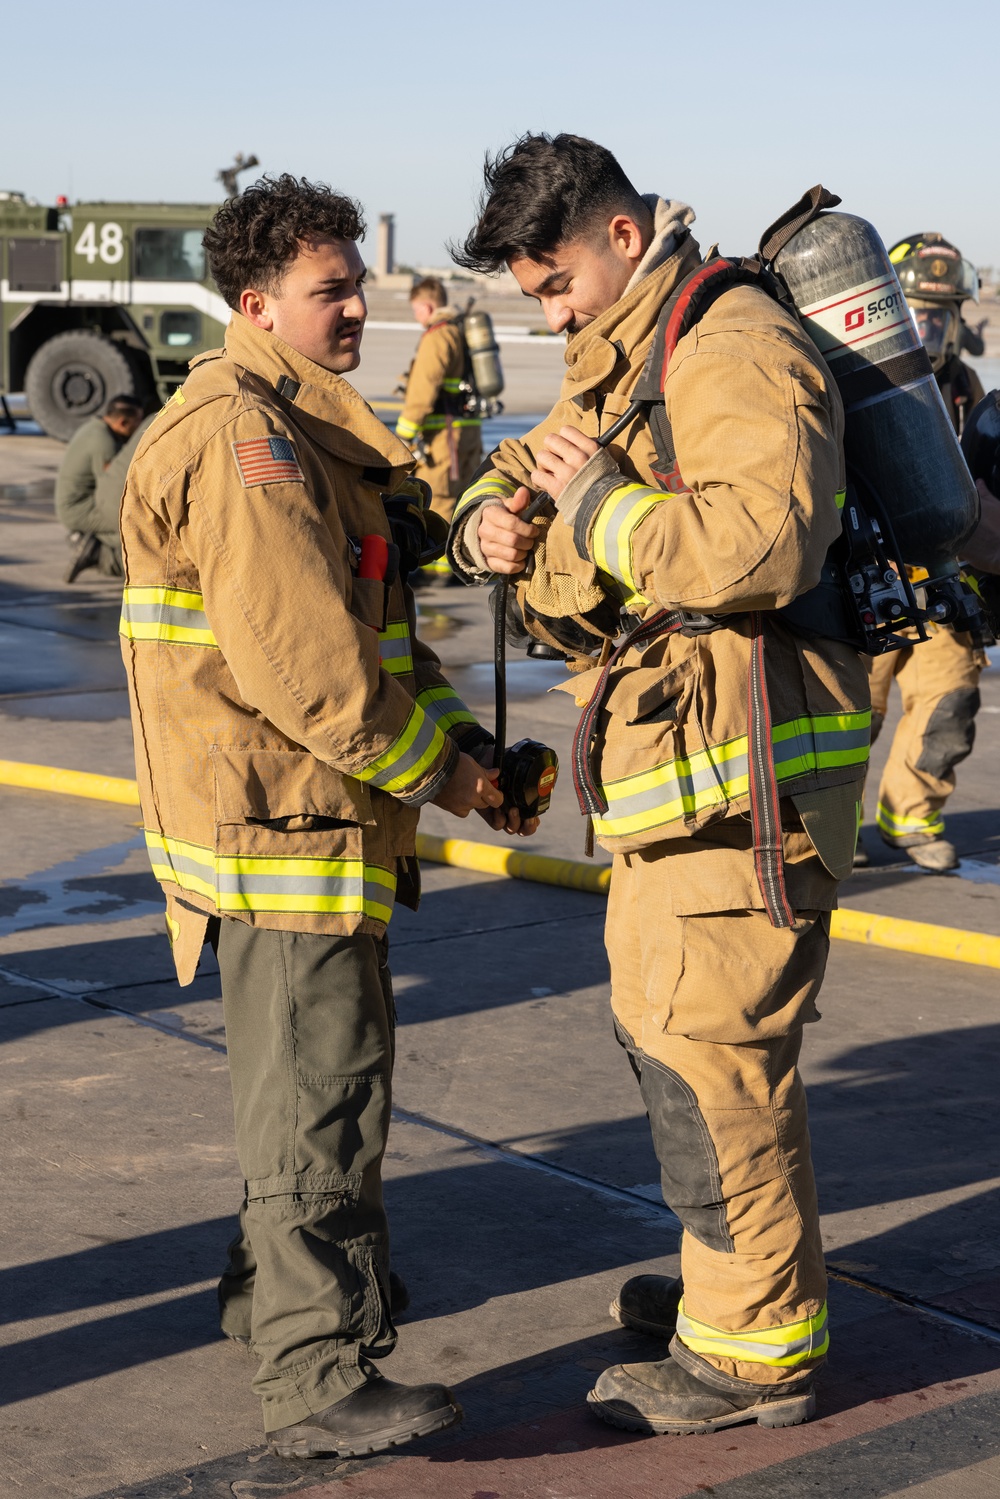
x=73, y=376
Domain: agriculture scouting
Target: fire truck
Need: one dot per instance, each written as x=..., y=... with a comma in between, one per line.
x=102, y=299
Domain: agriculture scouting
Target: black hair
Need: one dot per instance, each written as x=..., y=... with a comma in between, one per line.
x=254, y=238
x=124, y=403
x=540, y=192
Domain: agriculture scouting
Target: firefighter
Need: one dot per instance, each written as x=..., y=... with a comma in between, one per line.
x=938, y=678
x=723, y=503
x=446, y=441
x=92, y=448
x=288, y=727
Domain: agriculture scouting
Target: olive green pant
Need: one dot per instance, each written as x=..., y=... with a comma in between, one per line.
x=310, y=1033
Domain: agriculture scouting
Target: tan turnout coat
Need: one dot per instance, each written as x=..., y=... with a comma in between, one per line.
x=287, y=721
x=742, y=522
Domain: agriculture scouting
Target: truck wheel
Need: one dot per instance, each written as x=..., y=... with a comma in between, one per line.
x=73, y=375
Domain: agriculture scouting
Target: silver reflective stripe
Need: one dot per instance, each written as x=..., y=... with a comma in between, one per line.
x=405, y=765
x=778, y=1346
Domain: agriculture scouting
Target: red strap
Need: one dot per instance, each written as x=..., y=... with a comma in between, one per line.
x=693, y=290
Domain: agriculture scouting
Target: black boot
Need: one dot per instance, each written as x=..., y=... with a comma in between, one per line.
x=376, y=1416
x=683, y=1394
x=649, y=1304
x=88, y=556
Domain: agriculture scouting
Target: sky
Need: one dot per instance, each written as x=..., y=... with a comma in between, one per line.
x=732, y=107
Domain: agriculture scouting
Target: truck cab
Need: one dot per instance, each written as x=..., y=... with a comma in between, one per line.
x=102, y=299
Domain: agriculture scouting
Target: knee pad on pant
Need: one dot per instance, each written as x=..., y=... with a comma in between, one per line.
x=689, y=1165
x=950, y=732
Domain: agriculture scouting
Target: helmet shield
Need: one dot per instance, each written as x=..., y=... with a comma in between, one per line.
x=932, y=270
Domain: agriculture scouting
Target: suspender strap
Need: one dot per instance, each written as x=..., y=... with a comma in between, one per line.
x=765, y=806
x=588, y=792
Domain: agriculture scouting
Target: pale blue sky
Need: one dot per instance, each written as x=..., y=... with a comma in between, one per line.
x=733, y=107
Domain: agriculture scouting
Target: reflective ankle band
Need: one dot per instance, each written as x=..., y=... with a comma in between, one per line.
x=779, y=1347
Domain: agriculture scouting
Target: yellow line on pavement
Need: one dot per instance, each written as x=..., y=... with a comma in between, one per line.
x=70, y=782
x=922, y=938
x=487, y=858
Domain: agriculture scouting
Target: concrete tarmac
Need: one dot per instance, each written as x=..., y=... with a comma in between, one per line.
x=521, y=1185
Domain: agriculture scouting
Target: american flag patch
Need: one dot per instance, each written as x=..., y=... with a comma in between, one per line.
x=267, y=460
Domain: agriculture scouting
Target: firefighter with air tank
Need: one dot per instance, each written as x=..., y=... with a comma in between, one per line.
x=939, y=678
x=693, y=527
x=687, y=527
x=444, y=435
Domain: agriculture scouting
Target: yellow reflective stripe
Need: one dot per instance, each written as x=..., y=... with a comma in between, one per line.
x=902, y=827
x=452, y=384
x=490, y=486
x=176, y=615
x=611, y=538
x=840, y=497
x=409, y=757
x=406, y=429
x=395, y=650
x=719, y=774
x=307, y=886
x=778, y=1347
x=444, y=705
x=437, y=422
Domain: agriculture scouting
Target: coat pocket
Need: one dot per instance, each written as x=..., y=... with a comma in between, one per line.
x=369, y=602
x=286, y=789
x=648, y=694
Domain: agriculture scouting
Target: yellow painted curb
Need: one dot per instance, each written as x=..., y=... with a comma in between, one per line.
x=69, y=782
x=922, y=938
x=487, y=858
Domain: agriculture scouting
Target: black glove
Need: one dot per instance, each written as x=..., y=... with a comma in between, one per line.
x=418, y=533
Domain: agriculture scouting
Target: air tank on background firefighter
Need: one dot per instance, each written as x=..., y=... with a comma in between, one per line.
x=897, y=432
x=484, y=352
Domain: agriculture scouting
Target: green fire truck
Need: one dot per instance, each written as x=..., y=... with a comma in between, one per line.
x=100, y=299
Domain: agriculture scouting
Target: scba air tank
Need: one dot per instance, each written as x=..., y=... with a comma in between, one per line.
x=897, y=434
x=484, y=353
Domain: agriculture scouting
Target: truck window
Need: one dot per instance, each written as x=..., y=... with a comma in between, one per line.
x=178, y=329
x=169, y=255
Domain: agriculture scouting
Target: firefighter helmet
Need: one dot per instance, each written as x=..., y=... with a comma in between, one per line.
x=936, y=280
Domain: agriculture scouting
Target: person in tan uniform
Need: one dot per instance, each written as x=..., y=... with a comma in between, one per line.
x=712, y=510
x=938, y=678
x=446, y=441
x=288, y=727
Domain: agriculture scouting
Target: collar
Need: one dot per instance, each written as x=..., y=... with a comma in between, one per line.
x=326, y=405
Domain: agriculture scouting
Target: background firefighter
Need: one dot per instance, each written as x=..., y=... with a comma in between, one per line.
x=939, y=678
x=722, y=501
x=446, y=440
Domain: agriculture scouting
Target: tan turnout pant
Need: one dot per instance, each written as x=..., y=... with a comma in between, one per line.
x=939, y=682
x=710, y=1007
